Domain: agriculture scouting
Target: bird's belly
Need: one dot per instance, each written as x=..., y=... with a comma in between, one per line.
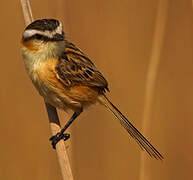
x=68, y=98
x=55, y=92
x=54, y=95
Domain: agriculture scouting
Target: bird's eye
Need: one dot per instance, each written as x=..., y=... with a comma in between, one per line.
x=38, y=36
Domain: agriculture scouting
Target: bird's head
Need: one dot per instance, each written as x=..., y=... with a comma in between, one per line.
x=44, y=30
x=43, y=35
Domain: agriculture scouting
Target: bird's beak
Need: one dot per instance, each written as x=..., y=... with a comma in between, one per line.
x=58, y=37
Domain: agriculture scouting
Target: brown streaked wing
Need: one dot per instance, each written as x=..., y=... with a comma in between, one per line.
x=74, y=68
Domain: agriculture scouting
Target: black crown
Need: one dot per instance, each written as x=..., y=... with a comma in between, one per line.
x=44, y=24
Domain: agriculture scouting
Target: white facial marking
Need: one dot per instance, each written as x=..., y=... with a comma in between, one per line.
x=59, y=29
x=30, y=32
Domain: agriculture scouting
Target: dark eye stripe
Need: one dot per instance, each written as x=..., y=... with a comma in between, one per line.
x=37, y=36
x=40, y=37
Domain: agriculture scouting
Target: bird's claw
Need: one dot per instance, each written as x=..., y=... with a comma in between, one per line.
x=56, y=138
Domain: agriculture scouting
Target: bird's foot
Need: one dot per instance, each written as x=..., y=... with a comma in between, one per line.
x=56, y=138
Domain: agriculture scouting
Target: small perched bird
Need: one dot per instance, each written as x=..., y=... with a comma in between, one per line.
x=67, y=79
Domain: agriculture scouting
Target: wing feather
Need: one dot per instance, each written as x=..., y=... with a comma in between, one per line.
x=74, y=68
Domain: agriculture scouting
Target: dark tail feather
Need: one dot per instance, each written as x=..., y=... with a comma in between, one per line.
x=139, y=138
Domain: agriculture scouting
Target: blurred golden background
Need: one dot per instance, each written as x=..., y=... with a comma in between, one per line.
x=124, y=39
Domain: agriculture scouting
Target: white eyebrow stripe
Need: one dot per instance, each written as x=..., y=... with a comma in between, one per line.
x=30, y=32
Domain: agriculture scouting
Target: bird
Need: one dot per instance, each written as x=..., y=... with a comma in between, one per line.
x=67, y=79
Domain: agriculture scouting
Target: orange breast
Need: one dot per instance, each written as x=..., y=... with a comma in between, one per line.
x=71, y=96
x=47, y=74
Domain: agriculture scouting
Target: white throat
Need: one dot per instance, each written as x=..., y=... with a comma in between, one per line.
x=47, y=51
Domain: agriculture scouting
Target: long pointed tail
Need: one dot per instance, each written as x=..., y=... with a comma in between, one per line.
x=139, y=138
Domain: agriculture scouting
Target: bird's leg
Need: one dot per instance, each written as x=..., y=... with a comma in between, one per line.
x=61, y=135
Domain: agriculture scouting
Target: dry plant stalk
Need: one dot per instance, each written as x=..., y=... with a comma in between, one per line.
x=52, y=113
x=152, y=74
